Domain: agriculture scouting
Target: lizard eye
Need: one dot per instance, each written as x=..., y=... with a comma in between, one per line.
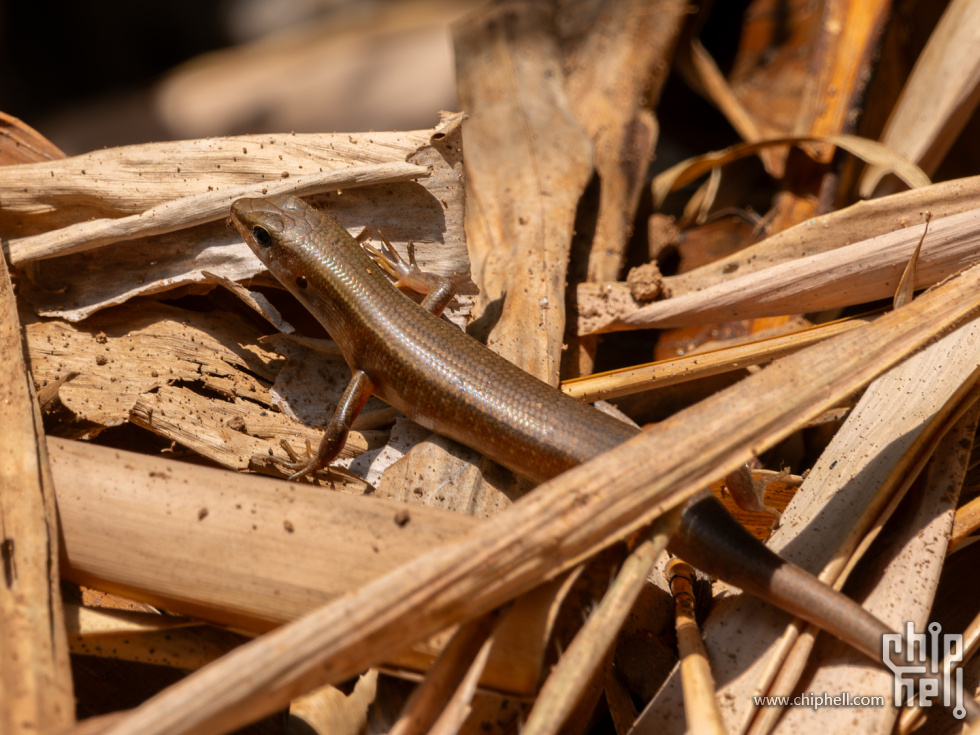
x=262, y=236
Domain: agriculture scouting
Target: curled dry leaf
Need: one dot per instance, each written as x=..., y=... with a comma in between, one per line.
x=871, y=151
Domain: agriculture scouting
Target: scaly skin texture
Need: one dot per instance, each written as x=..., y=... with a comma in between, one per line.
x=440, y=377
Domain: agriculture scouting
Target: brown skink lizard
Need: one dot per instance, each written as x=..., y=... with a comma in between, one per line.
x=448, y=382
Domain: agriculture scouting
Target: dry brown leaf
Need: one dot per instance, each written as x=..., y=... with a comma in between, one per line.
x=613, y=79
x=197, y=209
x=131, y=180
x=527, y=164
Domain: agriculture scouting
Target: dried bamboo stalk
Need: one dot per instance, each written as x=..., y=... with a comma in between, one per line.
x=35, y=678
x=627, y=381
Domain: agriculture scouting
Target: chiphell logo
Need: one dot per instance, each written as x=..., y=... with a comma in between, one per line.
x=916, y=667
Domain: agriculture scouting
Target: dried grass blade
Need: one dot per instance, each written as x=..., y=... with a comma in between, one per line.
x=702, y=73
x=860, y=221
x=906, y=285
x=855, y=274
x=446, y=675
x=550, y=529
x=580, y=663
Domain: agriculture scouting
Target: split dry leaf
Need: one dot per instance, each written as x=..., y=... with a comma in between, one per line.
x=35, y=677
x=614, y=75
x=939, y=96
x=197, y=209
x=854, y=274
x=527, y=164
x=550, y=529
x=842, y=500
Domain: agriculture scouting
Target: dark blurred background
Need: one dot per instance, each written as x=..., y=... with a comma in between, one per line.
x=89, y=75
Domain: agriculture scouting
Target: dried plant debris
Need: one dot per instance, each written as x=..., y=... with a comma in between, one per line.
x=770, y=320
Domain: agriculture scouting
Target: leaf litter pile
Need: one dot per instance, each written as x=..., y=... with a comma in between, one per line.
x=799, y=296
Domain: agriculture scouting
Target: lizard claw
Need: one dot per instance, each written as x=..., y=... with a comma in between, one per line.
x=404, y=275
x=298, y=466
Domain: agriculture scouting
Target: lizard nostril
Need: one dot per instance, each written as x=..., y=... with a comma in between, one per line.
x=301, y=281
